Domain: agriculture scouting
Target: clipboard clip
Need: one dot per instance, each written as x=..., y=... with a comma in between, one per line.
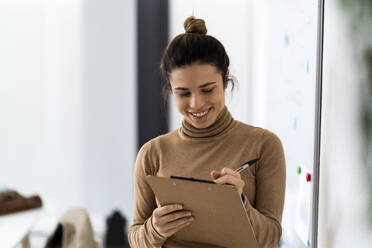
x=193, y=179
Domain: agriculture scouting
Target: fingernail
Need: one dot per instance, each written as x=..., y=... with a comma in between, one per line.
x=179, y=206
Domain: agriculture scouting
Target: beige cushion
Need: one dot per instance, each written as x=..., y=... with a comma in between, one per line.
x=74, y=230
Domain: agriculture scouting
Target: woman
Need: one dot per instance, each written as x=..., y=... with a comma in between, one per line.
x=209, y=145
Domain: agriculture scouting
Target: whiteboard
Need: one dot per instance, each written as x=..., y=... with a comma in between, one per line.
x=292, y=110
x=276, y=62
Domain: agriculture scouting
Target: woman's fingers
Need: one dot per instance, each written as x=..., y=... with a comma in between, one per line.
x=228, y=171
x=215, y=174
x=170, y=213
x=169, y=218
x=160, y=211
x=170, y=232
x=229, y=176
x=179, y=222
x=175, y=216
x=224, y=171
x=229, y=179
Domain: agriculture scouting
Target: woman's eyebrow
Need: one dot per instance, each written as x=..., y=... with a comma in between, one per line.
x=201, y=86
x=206, y=84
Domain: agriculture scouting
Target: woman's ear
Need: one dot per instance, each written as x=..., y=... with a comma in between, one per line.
x=225, y=82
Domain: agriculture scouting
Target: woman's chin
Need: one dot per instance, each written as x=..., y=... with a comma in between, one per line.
x=203, y=124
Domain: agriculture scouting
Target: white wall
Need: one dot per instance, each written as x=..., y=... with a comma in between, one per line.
x=260, y=33
x=109, y=104
x=343, y=186
x=230, y=23
x=21, y=92
x=67, y=104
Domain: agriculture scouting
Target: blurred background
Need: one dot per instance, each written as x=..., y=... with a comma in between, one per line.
x=80, y=93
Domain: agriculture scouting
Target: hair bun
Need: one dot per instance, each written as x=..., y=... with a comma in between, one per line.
x=193, y=25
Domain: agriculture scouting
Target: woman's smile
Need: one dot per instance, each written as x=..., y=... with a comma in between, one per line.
x=201, y=115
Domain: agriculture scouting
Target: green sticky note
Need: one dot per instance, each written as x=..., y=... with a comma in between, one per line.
x=299, y=170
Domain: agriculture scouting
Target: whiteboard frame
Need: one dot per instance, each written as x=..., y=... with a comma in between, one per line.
x=318, y=115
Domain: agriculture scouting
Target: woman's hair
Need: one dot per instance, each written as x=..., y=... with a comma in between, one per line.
x=193, y=46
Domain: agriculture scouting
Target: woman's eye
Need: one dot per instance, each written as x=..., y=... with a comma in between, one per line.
x=208, y=91
x=184, y=94
x=205, y=91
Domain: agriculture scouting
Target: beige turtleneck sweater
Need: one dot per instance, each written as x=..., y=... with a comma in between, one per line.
x=192, y=152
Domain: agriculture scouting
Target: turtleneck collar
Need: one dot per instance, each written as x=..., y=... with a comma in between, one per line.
x=223, y=122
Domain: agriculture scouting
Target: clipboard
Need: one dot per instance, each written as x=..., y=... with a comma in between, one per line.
x=220, y=215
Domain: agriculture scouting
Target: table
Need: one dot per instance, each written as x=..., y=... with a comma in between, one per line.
x=15, y=227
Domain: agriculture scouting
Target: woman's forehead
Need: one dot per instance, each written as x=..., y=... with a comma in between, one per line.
x=194, y=75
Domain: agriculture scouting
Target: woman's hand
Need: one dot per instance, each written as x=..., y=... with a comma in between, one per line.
x=169, y=219
x=228, y=176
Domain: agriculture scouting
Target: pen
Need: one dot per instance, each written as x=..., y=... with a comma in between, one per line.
x=246, y=165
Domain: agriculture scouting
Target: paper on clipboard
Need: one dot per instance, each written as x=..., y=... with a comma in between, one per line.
x=220, y=216
x=303, y=210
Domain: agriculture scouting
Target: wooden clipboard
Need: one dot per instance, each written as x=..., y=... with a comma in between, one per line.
x=220, y=215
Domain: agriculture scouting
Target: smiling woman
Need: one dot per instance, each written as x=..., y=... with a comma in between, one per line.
x=209, y=145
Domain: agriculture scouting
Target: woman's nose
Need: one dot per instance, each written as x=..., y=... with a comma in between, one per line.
x=196, y=102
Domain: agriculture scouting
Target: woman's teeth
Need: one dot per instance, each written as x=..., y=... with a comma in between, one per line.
x=200, y=114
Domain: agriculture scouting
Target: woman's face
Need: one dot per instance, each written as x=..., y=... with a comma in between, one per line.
x=198, y=93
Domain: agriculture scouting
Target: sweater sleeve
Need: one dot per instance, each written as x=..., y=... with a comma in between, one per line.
x=141, y=233
x=270, y=191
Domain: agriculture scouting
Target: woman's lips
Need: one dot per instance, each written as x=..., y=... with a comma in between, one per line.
x=202, y=117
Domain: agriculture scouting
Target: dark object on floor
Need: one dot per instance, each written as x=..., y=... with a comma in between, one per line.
x=74, y=229
x=55, y=241
x=11, y=201
x=116, y=231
